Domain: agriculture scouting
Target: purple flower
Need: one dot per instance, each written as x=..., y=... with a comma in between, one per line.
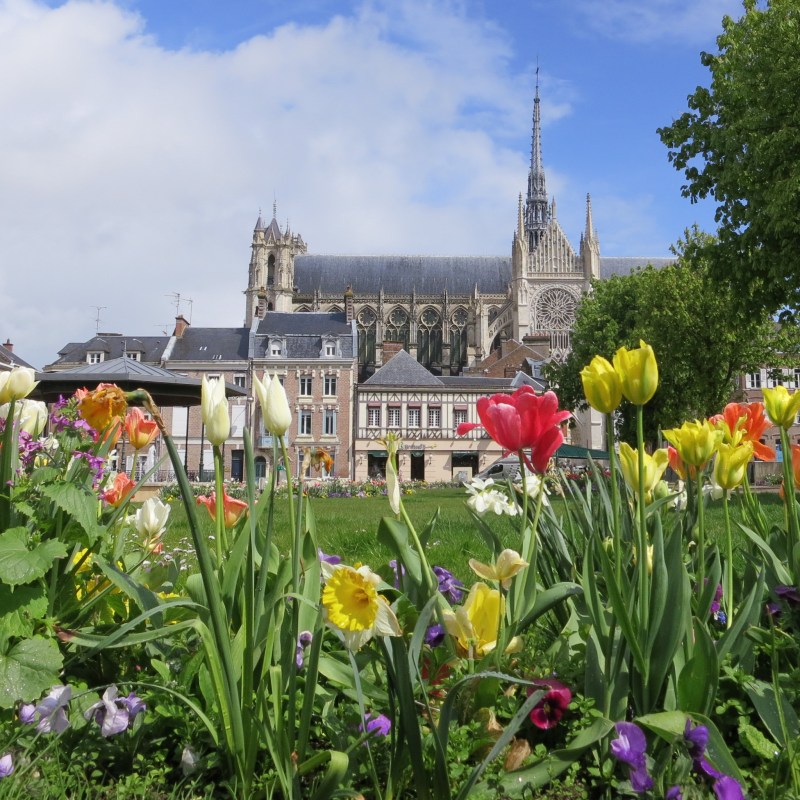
x=378, y=725
x=51, y=710
x=303, y=640
x=674, y=793
x=450, y=586
x=434, y=636
x=630, y=748
x=697, y=738
x=773, y=609
x=788, y=593
x=549, y=710
x=110, y=712
x=727, y=788
x=27, y=714
x=6, y=765
x=134, y=704
x=328, y=559
x=399, y=571
x=715, y=603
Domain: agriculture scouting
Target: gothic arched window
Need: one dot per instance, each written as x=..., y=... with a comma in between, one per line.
x=366, y=324
x=398, y=327
x=429, y=339
x=458, y=340
x=271, y=269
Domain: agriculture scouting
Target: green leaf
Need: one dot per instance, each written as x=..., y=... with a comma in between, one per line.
x=763, y=698
x=755, y=742
x=27, y=669
x=21, y=608
x=20, y=565
x=698, y=680
x=79, y=503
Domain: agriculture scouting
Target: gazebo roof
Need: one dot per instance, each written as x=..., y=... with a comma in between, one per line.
x=166, y=387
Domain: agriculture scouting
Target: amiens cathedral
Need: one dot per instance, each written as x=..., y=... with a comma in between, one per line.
x=448, y=312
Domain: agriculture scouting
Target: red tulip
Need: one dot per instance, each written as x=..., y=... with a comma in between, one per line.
x=522, y=421
x=745, y=422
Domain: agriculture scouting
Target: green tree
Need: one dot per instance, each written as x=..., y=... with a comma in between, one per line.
x=739, y=144
x=702, y=338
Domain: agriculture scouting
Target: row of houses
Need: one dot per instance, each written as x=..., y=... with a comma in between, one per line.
x=315, y=357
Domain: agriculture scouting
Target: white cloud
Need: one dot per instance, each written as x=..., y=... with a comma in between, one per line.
x=644, y=21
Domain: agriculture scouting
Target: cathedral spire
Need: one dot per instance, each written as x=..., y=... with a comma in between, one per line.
x=589, y=232
x=536, y=206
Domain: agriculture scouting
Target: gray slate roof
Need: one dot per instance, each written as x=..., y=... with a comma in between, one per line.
x=426, y=275
x=12, y=359
x=303, y=334
x=207, y=344
x=114, y=345
x=403, y=369
x=400, y=275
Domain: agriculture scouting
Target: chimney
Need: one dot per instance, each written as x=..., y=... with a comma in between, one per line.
x=391, y=349
x=349, y=309
x=181, y=324
x=8, y=346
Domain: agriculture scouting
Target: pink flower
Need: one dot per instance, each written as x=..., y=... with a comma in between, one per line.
x=549, y=710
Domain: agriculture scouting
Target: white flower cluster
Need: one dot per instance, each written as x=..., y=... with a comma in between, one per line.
x=483, y=499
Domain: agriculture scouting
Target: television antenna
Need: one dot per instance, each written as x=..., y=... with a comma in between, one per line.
x=176, y=299
x=98, y=309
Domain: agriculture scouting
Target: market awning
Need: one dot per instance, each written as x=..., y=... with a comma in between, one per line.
x=573, y=451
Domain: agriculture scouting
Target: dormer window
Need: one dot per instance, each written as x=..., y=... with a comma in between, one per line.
x=276, y=348
x=94, y=358
x=135, y=355
x=329, y=348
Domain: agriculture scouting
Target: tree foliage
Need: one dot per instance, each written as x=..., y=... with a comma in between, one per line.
x=702, y=338
x=739, y=144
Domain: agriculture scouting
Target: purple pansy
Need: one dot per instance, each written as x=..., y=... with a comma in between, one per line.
x=715, y=603
x=788, y=593
x=377, y=725
x=52, y=710
x=114, y=714
x=27, y=713
x=696, y=737
x=303, y=640
x=399, y=571
x=630, y=748
x=727, y=788
x=773, y=609
x=549, y=710
x=328, y=559
x=674, y=793
x=450, y=586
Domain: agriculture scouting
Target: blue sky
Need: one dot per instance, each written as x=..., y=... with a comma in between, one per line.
x=142, y=137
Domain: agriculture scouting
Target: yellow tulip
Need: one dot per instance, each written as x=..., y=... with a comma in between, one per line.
x=508, y=564
x=782, y=407
x=654, y=466
x=695, y=441
x=601, y=385
x=731, y=464
x=214, y=409
x=638, y=372
x=475, y=624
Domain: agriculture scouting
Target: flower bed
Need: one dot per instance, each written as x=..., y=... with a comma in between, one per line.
x=609, y=650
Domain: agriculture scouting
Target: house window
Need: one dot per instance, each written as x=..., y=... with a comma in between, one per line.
x=459, y=416
x=94, y=358
x=374, y=416
x=329, y=386
x=276, y=348
x=305, y=385
x=329, y=422
x=413, y=417
x=394, y=416
x=239, y=380
x=304, y=425
x=434, y=417
x=753, y=380
x=330, y=349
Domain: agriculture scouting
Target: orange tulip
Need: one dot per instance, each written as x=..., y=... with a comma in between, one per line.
x=232, y=509
x=140, y=430
x=119, y=491
x=745, y=422
x=678, y=465
x=796, y=465
x=321, y=458
x=100, y=406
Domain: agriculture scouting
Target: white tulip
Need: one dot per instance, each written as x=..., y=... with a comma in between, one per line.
x=214, y=408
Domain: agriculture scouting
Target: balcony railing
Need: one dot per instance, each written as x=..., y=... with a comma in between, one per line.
x=409, y=434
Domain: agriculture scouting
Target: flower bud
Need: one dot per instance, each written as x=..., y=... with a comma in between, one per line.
x=731, y=464
x=638, y=372
x=782, y=407
x=214, y=407
x=16, y=384
x=601, y=385
x=274, y=405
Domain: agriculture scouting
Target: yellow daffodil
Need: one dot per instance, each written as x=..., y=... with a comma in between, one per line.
x=475, y=624
x=782, y=407
x=508, y=564
x=638, y=372
x=696, y=442
x=601, y=385
x=731, y=464
x=214, y=408
x=353, y=606
x=654, y=466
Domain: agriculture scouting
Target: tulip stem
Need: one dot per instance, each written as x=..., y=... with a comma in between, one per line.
x=615, y=521
x=701, y=533
x=728, y=592
x=644, y=588
x=220, y=503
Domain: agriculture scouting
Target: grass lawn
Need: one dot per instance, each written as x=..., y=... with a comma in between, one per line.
x=348, y=527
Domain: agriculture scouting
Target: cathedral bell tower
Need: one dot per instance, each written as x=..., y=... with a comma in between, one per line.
x=270, y=282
